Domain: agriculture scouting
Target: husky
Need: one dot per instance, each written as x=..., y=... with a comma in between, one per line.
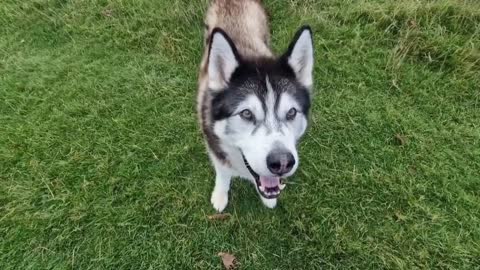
x=253, y=106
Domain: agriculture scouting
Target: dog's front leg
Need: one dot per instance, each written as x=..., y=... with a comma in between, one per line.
x=222, y=186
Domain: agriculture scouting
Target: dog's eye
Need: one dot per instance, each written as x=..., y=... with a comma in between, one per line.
x=247, y=115
x=291, y=114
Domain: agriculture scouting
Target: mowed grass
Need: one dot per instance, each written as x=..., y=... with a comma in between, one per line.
x=102, y=165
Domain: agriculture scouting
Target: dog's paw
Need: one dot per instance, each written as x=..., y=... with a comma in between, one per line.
x=219, y=200
x=270, y=203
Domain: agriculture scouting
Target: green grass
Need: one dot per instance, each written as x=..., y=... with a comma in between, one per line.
x=102, y=165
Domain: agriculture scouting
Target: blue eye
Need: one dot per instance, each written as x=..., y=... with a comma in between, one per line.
x=291, y=114
x=247, y=115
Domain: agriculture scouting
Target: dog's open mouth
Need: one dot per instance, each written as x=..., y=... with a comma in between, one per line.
x=268, y=186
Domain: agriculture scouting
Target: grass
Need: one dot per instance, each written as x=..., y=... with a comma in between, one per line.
x=102, y=165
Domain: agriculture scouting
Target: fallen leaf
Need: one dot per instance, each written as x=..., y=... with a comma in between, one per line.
x=107, y=12
x=400, y=139
x=219, y=216
x=229, y=261
x=400, y=217
x=412, y=169
x=395, y=84
x=412, y=23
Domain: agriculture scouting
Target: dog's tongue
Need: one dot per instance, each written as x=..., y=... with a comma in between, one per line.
x=268, y=181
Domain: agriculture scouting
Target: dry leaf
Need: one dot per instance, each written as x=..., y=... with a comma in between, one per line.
x=107, y=12
x=400, y=139
x=219, y=216
x=412, y=23
x=395, y=84
x=412, y=169
x=400, y=217
x=229, y=261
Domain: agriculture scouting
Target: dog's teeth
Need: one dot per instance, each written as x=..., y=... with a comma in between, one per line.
x=281, y=186
x=262, y=188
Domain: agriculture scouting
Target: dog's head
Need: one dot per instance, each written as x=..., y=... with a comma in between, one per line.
x=261, y=106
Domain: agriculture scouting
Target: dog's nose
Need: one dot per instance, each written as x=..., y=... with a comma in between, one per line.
x=280, y=162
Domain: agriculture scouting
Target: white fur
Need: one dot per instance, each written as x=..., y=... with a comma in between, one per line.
x=236, y=136
x=270, y=203
x=222, y=62
x=223, y=177
x=246, y=24
x=301, y=59
x=299, y=125
x=270, y=102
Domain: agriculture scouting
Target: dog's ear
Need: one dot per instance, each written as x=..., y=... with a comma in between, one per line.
x=223, y=59
x=299, y=56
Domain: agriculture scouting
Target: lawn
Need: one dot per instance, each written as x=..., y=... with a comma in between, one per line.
x=102, y=165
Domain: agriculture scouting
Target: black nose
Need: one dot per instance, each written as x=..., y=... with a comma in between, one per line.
x=280, y=162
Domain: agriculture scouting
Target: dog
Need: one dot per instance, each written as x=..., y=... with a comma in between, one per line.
x=253, y=106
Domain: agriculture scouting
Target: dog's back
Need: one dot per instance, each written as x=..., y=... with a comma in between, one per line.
x=245, y=21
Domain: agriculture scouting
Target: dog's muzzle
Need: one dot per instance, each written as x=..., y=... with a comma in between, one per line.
x=268, y=186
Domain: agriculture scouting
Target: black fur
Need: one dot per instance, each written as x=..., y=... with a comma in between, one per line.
x=249, y=78
x=295, y=39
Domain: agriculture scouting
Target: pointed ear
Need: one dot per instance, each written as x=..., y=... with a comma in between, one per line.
x=300, y=56
x=223, y=59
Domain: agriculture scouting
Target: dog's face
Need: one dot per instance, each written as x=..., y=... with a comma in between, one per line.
x=261, y=108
